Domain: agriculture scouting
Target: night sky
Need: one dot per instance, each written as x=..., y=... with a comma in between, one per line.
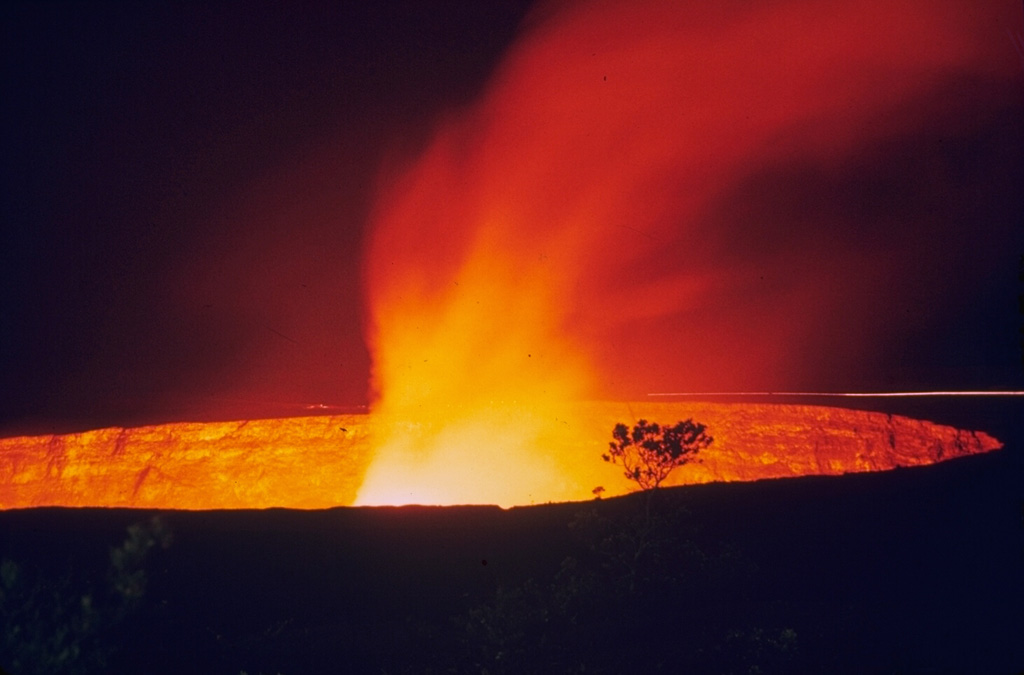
x=188, y=189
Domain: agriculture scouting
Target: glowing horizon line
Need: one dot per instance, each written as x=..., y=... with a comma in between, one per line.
x=837, y=394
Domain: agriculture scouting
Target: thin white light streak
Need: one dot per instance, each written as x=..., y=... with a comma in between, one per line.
x=848, y=394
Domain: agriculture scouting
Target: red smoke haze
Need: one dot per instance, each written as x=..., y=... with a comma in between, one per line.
x=601, y=221
x=578, y=212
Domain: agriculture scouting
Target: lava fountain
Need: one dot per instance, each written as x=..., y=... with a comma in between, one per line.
x=551, y=241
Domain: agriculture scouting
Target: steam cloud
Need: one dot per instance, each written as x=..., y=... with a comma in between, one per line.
x=663, y=194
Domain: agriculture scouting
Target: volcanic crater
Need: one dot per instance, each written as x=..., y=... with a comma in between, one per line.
x=321, y=461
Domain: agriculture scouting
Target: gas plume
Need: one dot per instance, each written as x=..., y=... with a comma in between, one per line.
x=599, y=223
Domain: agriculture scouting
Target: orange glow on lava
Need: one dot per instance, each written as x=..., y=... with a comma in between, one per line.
x=546, y=247
x=301, y=462
x=319, y=462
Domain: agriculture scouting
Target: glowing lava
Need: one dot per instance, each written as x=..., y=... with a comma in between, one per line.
x=319, y=462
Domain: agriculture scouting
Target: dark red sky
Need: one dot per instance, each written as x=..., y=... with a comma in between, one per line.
x=187, y=191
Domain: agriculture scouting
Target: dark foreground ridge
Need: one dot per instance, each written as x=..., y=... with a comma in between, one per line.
x=910, y=571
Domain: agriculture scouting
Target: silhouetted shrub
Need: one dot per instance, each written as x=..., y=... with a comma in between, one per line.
x=650, y=452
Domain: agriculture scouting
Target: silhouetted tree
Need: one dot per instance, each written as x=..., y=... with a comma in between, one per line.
x=650, y=452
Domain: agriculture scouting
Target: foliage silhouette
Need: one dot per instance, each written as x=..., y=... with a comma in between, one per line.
x=57, y=625
x=636, y=594
x=650, y=452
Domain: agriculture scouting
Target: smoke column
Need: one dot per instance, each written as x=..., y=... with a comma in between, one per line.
x=575, y=232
